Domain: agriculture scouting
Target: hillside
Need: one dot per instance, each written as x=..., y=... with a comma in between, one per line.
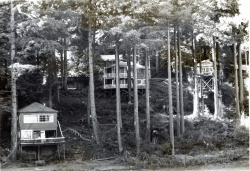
x=202, y=137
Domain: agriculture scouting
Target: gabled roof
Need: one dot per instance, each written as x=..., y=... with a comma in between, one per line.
x=124, y=64
x=36, y=108
x=206, y=63
x=109, y=57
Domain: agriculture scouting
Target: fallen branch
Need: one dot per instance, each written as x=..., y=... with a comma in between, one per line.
x=108, y=158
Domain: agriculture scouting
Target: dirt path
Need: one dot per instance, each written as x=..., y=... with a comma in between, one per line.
x=110, y=165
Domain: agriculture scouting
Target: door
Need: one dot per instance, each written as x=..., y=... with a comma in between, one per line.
x=42, y=134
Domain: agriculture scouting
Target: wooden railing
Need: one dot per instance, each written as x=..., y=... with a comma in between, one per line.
x=107, y=86
x=112, y=75
x=55, y=140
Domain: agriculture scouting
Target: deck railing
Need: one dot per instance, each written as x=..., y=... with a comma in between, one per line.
x=55, y=140
x=112, y=75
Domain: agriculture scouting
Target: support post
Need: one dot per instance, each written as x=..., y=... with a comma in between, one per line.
x=64, y=151
x=38, y=153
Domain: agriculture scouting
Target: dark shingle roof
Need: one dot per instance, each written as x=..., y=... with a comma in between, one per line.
x=36, y=108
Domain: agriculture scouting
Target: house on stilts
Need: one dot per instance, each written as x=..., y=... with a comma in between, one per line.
x=40, y=132
x=109, y=73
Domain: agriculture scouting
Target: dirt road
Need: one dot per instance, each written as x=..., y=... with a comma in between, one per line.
x=110, y=165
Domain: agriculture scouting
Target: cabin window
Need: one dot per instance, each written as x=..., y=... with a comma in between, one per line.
x=108, y=81
x=50, y=133
x=37, y=134
x=122, y=70
x=109, y=70
x=43, y=118
x=29, y=118
x=26, y=134
x=123, y=81
x=46, y=118
x=38, y=118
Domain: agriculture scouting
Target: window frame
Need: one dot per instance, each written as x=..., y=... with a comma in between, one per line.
x=36, y=118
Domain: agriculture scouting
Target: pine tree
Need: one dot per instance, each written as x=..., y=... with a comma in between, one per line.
x=171, y=122
x=92, y=92
x=118, y=98
x=177, y=85
x=13, y=86
x=148, y=136
x=237, y=106
x=136, y=115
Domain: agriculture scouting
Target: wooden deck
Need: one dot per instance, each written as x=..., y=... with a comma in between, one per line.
x=45, y=141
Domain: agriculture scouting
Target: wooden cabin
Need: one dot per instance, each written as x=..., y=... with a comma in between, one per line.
x=109, y=73
x=206, y=67
x=77, y=83
x=40, y=131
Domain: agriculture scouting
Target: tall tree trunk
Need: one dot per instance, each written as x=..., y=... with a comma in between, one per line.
x=50, y=90
x=148, y=136
x=157, y=63
x=181, y=86
x=65, y=74
x=37, y=57
x=177, y=85
x=246, y=61
x=88, y=106
x=237, y=106
x=118, y=98
x=136, y=115
x=129, y=75
x=216, y=99
x=92, y=92
x=13, y=87
x=196, y=93
x=201, y=84
x=220, y=105
x=241, y=81
x=171, y=122
x=62, y=69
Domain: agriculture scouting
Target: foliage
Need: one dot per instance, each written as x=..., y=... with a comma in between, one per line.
x=30, y=88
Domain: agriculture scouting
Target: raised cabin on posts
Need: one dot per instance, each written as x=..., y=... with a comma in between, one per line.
x=206, y=75
x=206, y=67
x=40, y=131
x=109, y=73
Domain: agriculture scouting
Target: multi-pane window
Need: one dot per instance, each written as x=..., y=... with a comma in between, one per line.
x=44, y=118
x=38, y=118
